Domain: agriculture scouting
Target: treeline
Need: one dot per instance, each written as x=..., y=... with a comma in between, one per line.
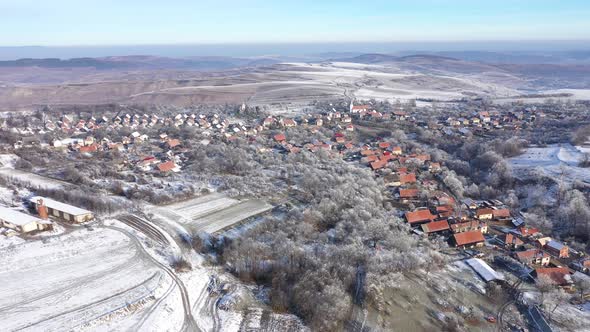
x=99, y=204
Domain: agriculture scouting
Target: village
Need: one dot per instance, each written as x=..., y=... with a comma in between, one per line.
x=480, y=231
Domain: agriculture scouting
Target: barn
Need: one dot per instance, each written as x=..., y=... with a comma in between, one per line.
x=22, y=222
x=61, y=210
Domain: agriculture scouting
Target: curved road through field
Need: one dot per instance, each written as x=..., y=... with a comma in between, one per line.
x=189, y=321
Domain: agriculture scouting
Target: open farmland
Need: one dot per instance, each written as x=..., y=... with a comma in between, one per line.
x=212, y=213
x=72, y=280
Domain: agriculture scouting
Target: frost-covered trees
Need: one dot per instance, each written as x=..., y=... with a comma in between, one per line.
x=337, y=247
x=451, y=180
x=574, y=213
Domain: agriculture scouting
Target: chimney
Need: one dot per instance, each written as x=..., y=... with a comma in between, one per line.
x=42, y=209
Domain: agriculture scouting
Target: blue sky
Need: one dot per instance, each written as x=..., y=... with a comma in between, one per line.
x=120, y=22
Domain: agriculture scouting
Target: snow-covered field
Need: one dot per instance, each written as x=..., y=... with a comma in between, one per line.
x=556, y=161
x=211, y=213
x=577, y=94
x=33, y=179
x=8, y=171
x=74, y=281
x=391, y=83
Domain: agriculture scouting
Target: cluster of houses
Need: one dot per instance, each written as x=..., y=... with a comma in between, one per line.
x=146, y=154
x=415, y=182
x=68, y=124
x=466, y=123
x=467, y=225
x=14, y=221
x=333, y=119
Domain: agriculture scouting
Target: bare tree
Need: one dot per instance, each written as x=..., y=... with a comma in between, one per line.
x=545, y=285
x=582, y=285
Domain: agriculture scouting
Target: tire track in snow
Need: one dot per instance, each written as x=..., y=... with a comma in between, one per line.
x=189, y=323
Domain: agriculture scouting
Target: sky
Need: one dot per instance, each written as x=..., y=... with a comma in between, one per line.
x=140, y=22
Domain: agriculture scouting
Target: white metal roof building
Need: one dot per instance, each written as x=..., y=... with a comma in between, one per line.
x=62, y=210
x=484, y=270
x=21, y=222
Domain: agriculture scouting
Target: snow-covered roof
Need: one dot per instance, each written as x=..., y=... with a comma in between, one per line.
x=18, y=218
x=484, y=270
x=60, y=206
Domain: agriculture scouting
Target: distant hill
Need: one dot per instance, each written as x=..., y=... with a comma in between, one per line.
x=425, y=57
x=513, y=57
x=141, y=62
x=371, y=58
x=377, y=58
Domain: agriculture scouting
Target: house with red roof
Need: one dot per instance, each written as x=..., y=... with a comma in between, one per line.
x=435, y=227
x=288, y=123
x=172, y=143
x=407, y=178
x=560, y=276
x=419, y=217
x=169, y=166
x=367, y=152
x=484, y=213
x=89, y=148
x=526, y=232
x=410, y=193
x=499, y=214
x=359, y=108
x=379, y=164
x=533, y=257
x=384, y=145
x=469, y=239
x=512, y=241
x=279, y=138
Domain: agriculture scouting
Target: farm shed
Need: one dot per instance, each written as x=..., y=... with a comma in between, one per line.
x=61, y=210
x=484, y=270
x=22, y=222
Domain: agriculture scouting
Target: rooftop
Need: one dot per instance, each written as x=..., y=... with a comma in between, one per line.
x=468, y=237
x=18, y=218
x=419, y=216
x=435, y=226
x=70, y=209
x=555, y=245
x=484, y=270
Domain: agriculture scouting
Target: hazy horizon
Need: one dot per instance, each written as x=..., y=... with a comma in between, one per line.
x=290, y=49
